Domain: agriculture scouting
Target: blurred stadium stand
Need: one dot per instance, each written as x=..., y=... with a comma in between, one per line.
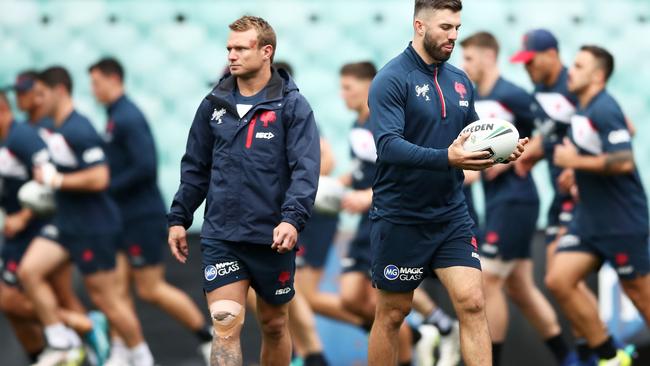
x=174, y=50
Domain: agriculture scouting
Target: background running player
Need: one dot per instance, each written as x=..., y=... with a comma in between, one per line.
x=131, y=154
x=86, y=224
x=612, y=213
x=512, y=206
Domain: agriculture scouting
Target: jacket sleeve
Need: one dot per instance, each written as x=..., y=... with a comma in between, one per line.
x=196, y=167
x=387, y=101
x=303, y=156
x=141, y=151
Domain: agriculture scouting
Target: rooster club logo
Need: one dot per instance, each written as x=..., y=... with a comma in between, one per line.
x=460, y=89
x=284, y=277
x=267, y=117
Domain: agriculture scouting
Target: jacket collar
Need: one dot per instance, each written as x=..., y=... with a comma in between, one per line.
x=278, y=85
x=419, y=62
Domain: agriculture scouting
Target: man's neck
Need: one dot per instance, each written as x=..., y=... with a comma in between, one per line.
x=5, y=126
x=115, y=95
x=63, y=110
x=554, y=74
x=418, y=46
x=254, y=84
x=585, y=97
x=363, y=113
x=36, y=115
x=486, y=84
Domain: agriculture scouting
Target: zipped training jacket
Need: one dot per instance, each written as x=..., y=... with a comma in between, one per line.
x=255, y=171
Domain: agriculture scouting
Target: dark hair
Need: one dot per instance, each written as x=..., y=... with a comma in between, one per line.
x=108, y=66
x=28, y=74
x=283, y=65
x=453, y=5
x=604, y=59
x=56, y=75
x=482, y=40
x=265, y=33
x=360, y=70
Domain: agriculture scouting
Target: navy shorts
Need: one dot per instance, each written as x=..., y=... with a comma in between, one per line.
x=316, y=239
x=403, y=255
x=12, y=253
x=144, y=241
x=90, y=253
x=628, y=254
x=270, y=273
x=358, y=257
x=509, y=230
x=560, y=214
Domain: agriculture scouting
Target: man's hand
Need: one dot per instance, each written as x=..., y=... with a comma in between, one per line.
x=566, y=154
x=519, y=150
x=462, y=159
x=177, y=241
x=14, y=224
x=566, y=180
x=47, y=175
x=285, y=237
x=357, y=201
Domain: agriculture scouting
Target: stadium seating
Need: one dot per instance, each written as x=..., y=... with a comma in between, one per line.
x=174, y=50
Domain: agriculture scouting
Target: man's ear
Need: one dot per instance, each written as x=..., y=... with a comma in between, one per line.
x=419, y=27
x=268, y=51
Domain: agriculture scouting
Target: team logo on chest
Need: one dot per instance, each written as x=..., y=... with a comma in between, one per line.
x=422, y=91
x=217, y=114
x=460, y=89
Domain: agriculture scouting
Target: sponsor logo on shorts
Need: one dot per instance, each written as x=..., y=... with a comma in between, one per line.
x=210, y=272
x=220, y=269
x=348, y=262
x=566, y=216
x=625, y=270
x=50, y=231
x=489, y=248
x=568, y=241
x=282, y=291
x=475, y=255
x=392, y=272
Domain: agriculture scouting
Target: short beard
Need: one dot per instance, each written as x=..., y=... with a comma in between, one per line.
x=434, y=51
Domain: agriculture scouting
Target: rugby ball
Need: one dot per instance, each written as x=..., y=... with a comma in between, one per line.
x=495, y=135
x=329, y=195
x=37, y=197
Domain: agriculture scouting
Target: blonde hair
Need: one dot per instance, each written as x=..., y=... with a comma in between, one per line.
x=265, y=33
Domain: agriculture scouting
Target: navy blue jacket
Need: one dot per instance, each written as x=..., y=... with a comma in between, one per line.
x=131, y=154
x=255, y=171
x=416, y=112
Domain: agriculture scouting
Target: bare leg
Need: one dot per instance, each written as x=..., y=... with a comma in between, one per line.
x=392, y=308
x=227, y=308
x=326, y=304
x=303, y=326
x=464, y=285
x=151, y=287
x=567, y=271
x=496, y=307
x=356, y=295
x=638, y=290
x=276, y=340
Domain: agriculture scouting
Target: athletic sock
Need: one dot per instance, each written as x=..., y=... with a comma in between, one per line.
x=440, y=320
x=582, y=349
x=496, y=353
x=605, y=350
x=558, y=346
x=118, y=349
x=33, y=356
x=57, y=336
x=204, y=334
x=407, y=363
x=416, y=335
x=140, y=355
x=315, y=359
x=73, y=338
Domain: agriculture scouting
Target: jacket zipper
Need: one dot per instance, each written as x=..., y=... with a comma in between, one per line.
x=251, y=129
x=442, y=98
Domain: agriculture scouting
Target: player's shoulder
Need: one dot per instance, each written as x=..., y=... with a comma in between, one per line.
x=22, y=133
x=456, y=73
x=126, y=111
x=511, y=91
x=393, y=75
x=605, y=104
